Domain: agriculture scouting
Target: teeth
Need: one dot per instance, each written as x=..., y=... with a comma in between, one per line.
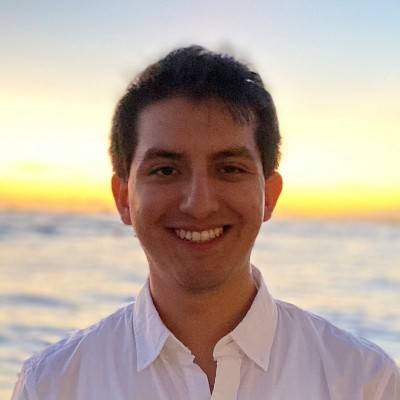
x=196, y=236
x=203, y=236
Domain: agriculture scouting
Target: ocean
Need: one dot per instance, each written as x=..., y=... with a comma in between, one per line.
x=63, y=272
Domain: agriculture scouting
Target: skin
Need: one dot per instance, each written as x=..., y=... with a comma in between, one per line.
x=195, y=169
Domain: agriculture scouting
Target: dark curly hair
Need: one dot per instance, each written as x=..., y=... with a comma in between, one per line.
x=197, y=74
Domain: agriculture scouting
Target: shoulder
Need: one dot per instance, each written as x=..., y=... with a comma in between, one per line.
x=116, y=323
x=81, y=353
x=329, y=337
x=342, y=354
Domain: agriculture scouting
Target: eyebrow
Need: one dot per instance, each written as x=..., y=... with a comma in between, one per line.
x=154, y=153
x=242, y=152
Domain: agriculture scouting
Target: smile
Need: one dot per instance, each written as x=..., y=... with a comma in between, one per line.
x=203, y=236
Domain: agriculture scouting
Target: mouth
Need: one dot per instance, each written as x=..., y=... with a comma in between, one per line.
x=201, y=236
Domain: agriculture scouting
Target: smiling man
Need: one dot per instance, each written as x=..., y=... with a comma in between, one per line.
x=195, y=149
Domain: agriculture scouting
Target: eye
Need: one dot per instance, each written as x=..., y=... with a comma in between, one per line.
x=163, y=171
x=232, y=169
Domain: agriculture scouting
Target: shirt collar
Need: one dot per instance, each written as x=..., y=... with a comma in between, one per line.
x=255, y=333
x=150, y=332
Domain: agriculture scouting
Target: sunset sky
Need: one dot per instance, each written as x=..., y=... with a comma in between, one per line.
x=333, y=68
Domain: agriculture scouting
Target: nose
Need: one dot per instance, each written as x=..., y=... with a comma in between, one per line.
x=199, y=198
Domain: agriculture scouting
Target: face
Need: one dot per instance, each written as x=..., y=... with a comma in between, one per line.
x=196, y=195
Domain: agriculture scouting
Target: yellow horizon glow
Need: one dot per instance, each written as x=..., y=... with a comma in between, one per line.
x=95, y=196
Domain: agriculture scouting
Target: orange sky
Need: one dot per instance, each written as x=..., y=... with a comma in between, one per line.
x=94, y=194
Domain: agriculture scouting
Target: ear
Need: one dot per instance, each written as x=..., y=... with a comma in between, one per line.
x=121, y=197
x=273, y=188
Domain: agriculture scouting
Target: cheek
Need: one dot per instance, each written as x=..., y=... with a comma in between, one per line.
x=252, y=202
x=148, y=205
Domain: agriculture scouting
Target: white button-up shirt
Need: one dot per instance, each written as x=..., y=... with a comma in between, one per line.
x=277, y=352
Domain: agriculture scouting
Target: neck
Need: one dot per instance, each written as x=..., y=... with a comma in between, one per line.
x=200, y=318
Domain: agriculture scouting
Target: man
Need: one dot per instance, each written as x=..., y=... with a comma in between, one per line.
x=195, y=148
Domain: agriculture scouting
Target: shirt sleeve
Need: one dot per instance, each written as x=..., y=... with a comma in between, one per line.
x=20, y=389
x=392, y=388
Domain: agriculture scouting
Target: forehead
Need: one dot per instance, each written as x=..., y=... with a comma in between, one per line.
x=184, y=123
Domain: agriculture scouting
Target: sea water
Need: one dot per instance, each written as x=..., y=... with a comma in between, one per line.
x=63, y=272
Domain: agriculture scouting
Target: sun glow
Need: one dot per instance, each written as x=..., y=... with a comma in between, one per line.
x=43, y=194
